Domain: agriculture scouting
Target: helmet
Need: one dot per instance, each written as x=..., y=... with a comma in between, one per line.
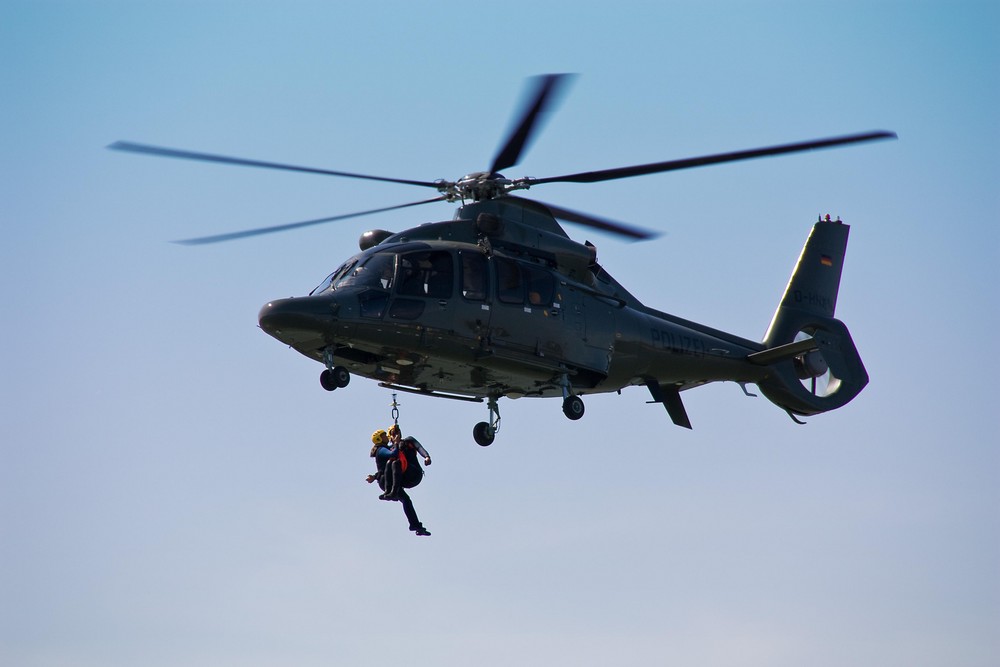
x=394, y=429
x=379, y=437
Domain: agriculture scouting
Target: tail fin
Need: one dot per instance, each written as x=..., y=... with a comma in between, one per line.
x=831, y=373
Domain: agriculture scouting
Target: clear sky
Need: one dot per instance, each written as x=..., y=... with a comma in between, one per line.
x=176, y=488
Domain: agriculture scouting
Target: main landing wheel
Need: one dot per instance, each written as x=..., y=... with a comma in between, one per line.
x=483, y=434
x=335, y=379
x=573, y=407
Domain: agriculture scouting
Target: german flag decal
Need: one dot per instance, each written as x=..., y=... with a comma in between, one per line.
x=826, y=260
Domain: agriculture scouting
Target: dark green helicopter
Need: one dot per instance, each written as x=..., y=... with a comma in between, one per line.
x=499, y=301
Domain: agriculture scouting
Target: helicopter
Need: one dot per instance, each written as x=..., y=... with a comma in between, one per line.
x=499, y=302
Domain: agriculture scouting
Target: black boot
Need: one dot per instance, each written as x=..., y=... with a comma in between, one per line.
x=391, y=482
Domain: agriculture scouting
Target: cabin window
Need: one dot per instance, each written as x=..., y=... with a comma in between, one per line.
x=475, y=276
x=510, y=287
x=427, y=273
x=524, y=283
x=541, y=285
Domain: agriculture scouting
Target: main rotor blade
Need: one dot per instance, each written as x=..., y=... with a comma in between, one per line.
x=587, y=220
x=545, y=94
x=687, y=163
x=295, y=225
x=144, y=149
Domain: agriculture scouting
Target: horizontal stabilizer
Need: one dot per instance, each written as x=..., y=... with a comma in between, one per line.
x=782, y=352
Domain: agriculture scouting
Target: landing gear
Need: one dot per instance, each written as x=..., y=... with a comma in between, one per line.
x=334, y=377
x=485, y=432
x=573, y=407
x=572, y=404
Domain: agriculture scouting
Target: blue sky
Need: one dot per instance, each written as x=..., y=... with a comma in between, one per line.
x=175, y=487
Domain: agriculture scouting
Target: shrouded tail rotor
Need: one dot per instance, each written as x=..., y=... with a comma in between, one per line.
x=831, y=373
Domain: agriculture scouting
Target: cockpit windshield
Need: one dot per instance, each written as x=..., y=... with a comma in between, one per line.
x=328, y=281
x=373, y=271
x=376, y=271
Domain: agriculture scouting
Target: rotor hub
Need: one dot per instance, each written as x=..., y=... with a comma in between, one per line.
x=479, y=186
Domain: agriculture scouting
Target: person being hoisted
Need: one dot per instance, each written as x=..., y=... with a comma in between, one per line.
x=403, y=471
x=398, y=469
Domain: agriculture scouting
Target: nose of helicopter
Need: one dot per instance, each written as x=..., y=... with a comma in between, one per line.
x=297, y=319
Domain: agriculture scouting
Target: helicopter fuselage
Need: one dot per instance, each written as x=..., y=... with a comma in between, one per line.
x=491, y=307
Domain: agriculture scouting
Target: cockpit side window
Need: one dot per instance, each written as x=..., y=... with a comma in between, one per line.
x=427, y=273
x=383, y=268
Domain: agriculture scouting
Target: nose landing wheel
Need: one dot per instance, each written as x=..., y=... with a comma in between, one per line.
x=334, y=378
